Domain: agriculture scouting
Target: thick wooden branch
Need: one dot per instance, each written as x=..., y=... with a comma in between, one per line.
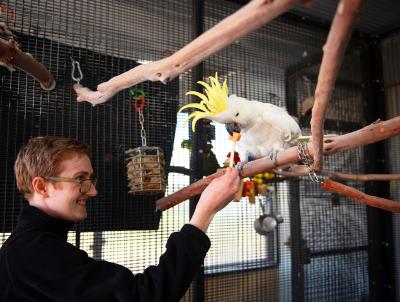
x=334, y=49
x=373, y=201
x=247, y=19
x=367, y=135
x=303, y=171
x=5, y=32
x=94, y=97
x=362, y=177
x=11, y=55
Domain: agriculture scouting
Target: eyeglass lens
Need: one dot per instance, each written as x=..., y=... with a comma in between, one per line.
x=86, y=185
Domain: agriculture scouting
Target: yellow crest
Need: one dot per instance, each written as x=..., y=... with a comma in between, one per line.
x=213, y=102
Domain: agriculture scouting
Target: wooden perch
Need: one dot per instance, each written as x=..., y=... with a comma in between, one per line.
x=88, y=95
x=367, y=135
x=11, y=55
x=363, y=177
x=373, y=201
x=247, y=19
x=302, y=170
x=5, y=32
x=334, y=49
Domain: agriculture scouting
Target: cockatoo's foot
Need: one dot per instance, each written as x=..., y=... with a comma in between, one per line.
x=273, y=156
x=239, y=167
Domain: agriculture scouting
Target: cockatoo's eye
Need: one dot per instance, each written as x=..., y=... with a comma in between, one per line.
x=237, y=114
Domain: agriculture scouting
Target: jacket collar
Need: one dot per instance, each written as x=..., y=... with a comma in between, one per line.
x=33, y=218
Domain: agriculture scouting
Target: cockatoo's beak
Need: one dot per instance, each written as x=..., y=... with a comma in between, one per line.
x=232, y=127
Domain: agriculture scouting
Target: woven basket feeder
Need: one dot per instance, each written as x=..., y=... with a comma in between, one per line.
x=145, y=169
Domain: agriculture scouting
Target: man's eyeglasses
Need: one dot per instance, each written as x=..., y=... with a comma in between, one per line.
x=85, y=184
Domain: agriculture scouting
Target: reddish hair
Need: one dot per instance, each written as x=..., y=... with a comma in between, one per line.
x=41, y=156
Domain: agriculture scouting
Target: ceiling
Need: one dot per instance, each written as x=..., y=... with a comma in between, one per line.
x=378, y=17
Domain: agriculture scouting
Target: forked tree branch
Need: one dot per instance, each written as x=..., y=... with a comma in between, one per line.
x=11, y=55
x=367, y=135
x=247, y=19
x=334, y=49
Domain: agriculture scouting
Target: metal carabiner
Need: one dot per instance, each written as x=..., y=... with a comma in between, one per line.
x=76, y=65
x=314, y=177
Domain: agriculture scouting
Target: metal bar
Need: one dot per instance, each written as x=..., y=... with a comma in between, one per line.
x=339, y=251
x=97, y=245
x=380, y=240
x=196, y=163
x=296, y=238
x=297, y=244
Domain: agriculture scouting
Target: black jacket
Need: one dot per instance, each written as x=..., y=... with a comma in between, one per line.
x=38, y=264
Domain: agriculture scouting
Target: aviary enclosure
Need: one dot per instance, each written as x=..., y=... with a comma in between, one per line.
x=343, y=57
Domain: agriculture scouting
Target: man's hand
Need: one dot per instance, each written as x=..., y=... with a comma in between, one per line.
x=215, y=197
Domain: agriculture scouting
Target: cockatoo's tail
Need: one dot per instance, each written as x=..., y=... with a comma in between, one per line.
x=213, y=102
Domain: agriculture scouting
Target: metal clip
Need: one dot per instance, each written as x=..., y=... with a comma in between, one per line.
x=76, y=65
x=306, y=159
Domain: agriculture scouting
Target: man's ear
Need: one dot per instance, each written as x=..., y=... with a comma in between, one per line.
x=39, y=186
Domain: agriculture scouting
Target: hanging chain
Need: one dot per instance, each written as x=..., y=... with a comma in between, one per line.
x=76, y=65
x=139, y=99
x=306, y=159
x=142, y=131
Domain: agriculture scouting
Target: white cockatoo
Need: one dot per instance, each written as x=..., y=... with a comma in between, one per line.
x=264, y=128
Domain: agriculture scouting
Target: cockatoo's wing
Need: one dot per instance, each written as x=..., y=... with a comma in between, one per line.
x=279, y=119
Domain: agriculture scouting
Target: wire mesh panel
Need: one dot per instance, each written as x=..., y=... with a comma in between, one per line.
x=391, y=65
x=334, y=231
x=341, y=277
x=243, y=265
x=269, y=65
x=106, y=38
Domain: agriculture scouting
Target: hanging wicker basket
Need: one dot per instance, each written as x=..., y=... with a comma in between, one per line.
x=145, y=169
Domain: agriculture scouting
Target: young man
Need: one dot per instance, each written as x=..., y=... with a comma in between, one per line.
x=38, y=264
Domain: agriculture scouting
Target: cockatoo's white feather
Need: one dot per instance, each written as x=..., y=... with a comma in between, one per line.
x=265, y=128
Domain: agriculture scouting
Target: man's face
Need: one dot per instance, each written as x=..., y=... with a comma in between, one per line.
x=64, y=198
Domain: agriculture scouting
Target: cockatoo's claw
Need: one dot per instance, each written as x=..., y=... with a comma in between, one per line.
x=239, y=167
x=273, y=156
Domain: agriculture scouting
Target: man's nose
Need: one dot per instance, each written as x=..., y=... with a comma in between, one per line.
x=92, y=191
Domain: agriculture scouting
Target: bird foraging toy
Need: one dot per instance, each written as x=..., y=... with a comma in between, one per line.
x=145, y=167
x=234, y=138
